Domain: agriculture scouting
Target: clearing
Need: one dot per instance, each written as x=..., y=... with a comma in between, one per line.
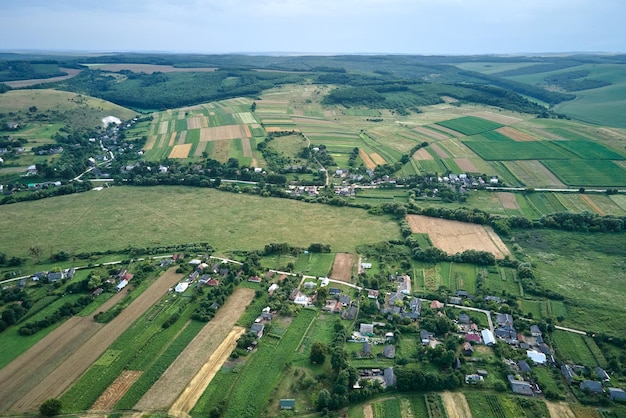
x=342, y=267
x=456, y=405
x=188, y=399
x=116, y=390
x=455, y=237
x=60, y=379
x=191, y=361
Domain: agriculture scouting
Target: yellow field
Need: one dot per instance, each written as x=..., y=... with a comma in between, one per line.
x=180, y=151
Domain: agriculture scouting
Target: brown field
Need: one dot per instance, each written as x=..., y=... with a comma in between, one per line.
x=342, y=267
x=277, y=121
x=163, y=127
x=315, y=121
x=116, y=390
x=593, y=205
x=221, y=150
x=378, y=159
x=197, y=122
x=279, y=129
x=559, y=410
x=200, y=149
x=516, y=135
x=430, y=133
x=508, y=200
x=456, y=405
x=455, y=237
x=54, y=383
x=172, y=139
x=366, y=159
x=177, y=377
x=148, y=68
x=181, y=138
x=441, y=153
x=71, y=72
x=181, y=114
x=188, y=399
x=466, y=165
x=494, y=117
x=180, y=151
x=220, y=133
x=422, y=154
x=27, y=370
x=247, y=148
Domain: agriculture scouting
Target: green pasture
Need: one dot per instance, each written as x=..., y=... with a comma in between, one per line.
x=575, y=348
x=588, y=150
x=489, y=405
x=590, y=173
x=505, y=151
x=470, y=125
x=235, y=221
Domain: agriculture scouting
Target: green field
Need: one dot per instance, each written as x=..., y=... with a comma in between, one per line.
x=578, y=349
x=592, y=173
x=181, y=215
x=506, y=151
x=470, y=125
x=589, y=150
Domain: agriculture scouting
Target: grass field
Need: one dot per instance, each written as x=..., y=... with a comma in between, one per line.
x=506, y=151
x=181, y=215
x=591, y=173
x=578, y=349
x=470, y=125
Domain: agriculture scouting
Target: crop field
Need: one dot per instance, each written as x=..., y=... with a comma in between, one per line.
x=453, y=236
x=506, y=151
x=462, y=277
x=236, y=221
x=533, y=172
x=470, y=125
x=456, y=405
x=515, y=134
x=589, y=150
x=590, y=173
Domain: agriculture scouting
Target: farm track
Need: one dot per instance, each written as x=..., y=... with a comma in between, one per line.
x=187, y=365
x=23, y=373
x=61, y=378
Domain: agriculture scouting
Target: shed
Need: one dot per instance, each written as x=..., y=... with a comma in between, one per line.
x=366, y=329
x=603, y=375
x=389, y=377
x=524, y=366
x=288, y=404
x=591, y=386
x=121, y=285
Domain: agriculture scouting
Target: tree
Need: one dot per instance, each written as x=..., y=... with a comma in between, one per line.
x=36, y=252
x=50, y=407
x=323, y=399
x=318, y=353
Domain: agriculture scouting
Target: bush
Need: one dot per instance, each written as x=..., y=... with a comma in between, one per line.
x=50, y=407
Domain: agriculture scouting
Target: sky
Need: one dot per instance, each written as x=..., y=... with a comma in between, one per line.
x=447, y=27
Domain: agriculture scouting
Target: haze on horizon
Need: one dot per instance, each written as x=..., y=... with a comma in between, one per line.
x=458, y=27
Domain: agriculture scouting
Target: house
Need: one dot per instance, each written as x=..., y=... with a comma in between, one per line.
x=372, y=294
x=504, y=319
x=415, y=308
x=468, y=350
x=393, y=304
x=464, y=318
x=488, y=337
x=524, y=366
x=32, y=169
x=471, y=337
x=616, y=394
x=389, y=377
x=272, y=288
x=545, y=349
x=389, y=351
x=121, y=285
x=166, y=262
x=473, y=379
x=426, y=336
x=568, y=373
x=455, y=300
x=366, y=265
x=462, y=293
x=536, y=356
x=325, y=281
x=181, y=287
x=266, y=316
x=591, y=386
x=288, y=404
x=344, y=300
x=334, y=291
x=55, y=277
x=212, y=282
x=603, y=375
x=435, y=304
x=493, y=299
x=405, y=286
x=309, y=285
x=520, y=387
x=257, y=329
x=366, y=329
x=194, y=275
x=254, y=279
x=506, y=332
x=70, y=272
x=366, y=350
x=535, y=331
x=301, y=299
x=350, y=314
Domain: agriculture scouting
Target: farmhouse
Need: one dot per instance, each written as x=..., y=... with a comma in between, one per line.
x=603, y=375
x=520, y=387
x=473, y=337
x=181, y=287
x=257, y=329
x=426, y=336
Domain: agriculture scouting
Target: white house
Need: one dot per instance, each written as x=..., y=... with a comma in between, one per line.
x=325, y=281
x=121, y=285
x=272, y=288
x=488, y=337
x=536, y=356
x=181, y=287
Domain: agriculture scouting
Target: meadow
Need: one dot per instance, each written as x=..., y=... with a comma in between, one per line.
x=578, y=349
x=470, y=125
x=170, y=215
